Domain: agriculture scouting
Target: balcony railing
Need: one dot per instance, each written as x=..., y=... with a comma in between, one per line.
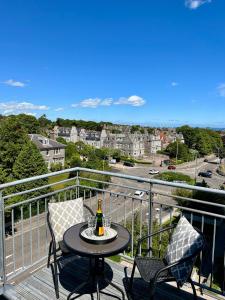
x=24, y=234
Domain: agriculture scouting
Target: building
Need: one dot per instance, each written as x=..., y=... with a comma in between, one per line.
x=52, y=151
x=130, y=144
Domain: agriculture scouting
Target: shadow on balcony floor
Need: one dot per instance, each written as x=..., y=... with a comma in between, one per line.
x=40, y=285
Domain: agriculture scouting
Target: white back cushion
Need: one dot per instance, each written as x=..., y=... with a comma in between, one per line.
x=64, y=215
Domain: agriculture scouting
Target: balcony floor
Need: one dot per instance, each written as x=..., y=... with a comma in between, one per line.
x=39, y=286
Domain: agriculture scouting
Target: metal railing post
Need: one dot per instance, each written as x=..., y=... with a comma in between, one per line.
x=150, y=215
x=2, y=241
x=77, y=185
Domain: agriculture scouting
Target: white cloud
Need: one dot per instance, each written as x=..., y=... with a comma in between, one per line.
x=59, y=109
x=106, y=102
x=20, y=107
x=221, y=89
x=132, y=100
x=174, y=83
x=12, y=82
x=95, y=102
x=90, y=102
x=194, y=4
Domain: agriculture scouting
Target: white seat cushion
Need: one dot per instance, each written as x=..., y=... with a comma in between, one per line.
x=63, y=215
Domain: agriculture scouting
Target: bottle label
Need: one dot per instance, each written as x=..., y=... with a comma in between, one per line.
x=101, y=231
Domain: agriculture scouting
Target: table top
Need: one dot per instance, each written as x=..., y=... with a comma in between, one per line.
x=76, y=244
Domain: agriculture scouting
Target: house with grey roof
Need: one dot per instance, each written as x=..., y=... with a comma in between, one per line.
x=52, y=151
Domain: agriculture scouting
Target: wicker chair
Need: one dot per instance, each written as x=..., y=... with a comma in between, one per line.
x=61, y=216
x=156, y=270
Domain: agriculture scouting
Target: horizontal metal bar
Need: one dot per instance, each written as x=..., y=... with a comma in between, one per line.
x=21, y=181
x=39, y=197
x=189, y=199
x=37, y=188
x=114, y=184
x=202, y=212
x=113, y=193
x=124, y=176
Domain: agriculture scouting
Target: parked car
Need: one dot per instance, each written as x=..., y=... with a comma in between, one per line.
x=153, y=171
x=205, y=174
x=128, y=164
x=171, y=167
x=112, y=161
x=139, y=193
x=206, y=160
x=209, y=171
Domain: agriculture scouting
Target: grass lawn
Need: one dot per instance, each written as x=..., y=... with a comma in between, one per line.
x=56, y=179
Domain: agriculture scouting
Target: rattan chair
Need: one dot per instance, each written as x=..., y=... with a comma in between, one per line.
x=158, y=269
x=61, y=216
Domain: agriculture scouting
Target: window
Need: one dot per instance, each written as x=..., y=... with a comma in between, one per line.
x=57, y=151
x=47, y=152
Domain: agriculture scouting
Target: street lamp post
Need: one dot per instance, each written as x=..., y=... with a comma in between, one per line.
x=177, y=150
x=196, y=160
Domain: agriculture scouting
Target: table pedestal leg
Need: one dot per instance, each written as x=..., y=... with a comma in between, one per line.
x=97, y=275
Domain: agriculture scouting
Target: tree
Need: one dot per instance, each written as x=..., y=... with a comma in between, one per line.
x=61, y=140
x=179, y=150
x=44, y=122
x=75, y=161
x=3, y=176
x=30, y=123
x=29, y=162
x=12, y=138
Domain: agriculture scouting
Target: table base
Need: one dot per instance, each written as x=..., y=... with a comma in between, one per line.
x=96, y=275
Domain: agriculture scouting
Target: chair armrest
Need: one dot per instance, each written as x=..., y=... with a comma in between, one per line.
x=185, y=259
x=51, y=232
x=89, y=209
x=151, y=235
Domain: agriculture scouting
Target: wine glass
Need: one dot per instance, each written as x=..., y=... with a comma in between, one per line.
x=91, y=224
x=107, y=223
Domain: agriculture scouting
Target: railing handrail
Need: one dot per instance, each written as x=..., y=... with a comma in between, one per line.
x=125, y=176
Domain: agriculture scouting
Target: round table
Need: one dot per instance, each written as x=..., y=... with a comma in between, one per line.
x=96, y=253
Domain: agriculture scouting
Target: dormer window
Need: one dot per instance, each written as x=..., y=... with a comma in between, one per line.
x=44, y=141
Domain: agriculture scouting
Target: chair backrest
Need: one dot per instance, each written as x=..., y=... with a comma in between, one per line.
x=185, y=241
x=63, y=215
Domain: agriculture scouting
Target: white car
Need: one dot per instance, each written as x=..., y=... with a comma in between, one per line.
x=139, y=193
x=153, y=171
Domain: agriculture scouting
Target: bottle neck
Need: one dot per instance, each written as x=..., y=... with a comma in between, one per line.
x=99, y=206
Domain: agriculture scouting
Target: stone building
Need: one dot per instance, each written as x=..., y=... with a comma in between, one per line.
x=130, y=144
x=52, y=151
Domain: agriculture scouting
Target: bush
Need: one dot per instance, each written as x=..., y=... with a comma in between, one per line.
x=174, y=176
x=56, y=167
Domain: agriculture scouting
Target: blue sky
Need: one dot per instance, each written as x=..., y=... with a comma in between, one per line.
x=145, y=62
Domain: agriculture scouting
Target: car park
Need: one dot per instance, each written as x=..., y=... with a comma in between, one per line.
x=153, y=171
x=171, y=167
x=139, y=193
x=205, y=174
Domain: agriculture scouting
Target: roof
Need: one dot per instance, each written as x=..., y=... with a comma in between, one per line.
x=37, y=138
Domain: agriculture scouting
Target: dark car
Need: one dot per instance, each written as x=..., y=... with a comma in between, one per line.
x=206, y=160
x=209, y=171
x=171, y=167
x=128, y=164
x=205, y=174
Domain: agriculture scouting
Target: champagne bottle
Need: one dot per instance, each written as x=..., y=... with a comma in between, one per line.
x=99, y=217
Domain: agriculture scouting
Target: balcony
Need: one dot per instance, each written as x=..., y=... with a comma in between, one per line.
x=24, y=234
